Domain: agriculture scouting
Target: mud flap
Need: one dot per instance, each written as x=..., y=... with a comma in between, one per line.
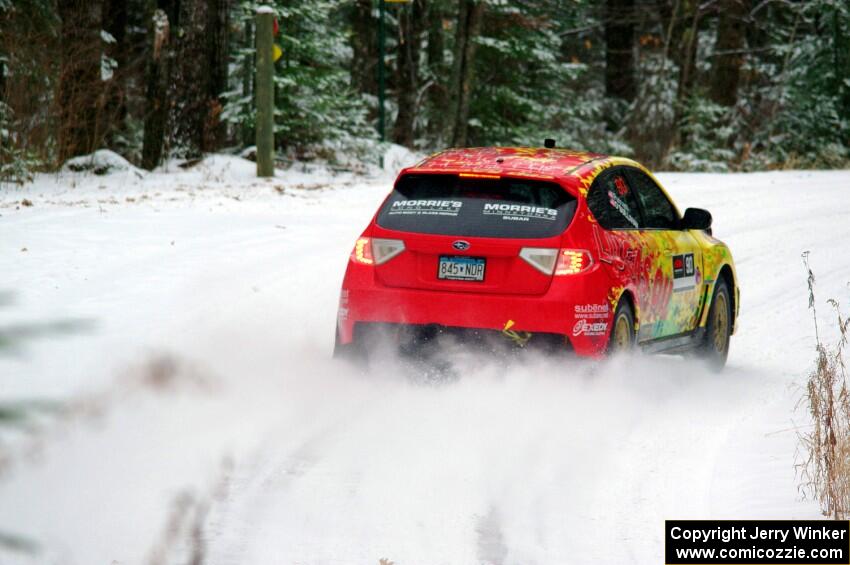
x=519, y=338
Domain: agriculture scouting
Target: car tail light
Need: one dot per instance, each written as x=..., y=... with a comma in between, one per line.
x=385, y=249
x=369, y=251
x=362, y=252
x=541, y=258
x=557, y=261
x=573, y=261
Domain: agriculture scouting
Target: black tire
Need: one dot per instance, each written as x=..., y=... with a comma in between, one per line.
x=714, y=348
x=622, y=337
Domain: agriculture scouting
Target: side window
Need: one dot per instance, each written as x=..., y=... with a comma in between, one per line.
x=612, y=202
x=658, y=212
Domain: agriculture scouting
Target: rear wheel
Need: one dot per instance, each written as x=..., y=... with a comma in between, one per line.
x=715, y=346
x=622, y=336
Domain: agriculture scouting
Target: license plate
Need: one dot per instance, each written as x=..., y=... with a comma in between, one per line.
x=461, y=268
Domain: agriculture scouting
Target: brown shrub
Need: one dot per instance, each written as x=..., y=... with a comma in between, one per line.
x=825, y=468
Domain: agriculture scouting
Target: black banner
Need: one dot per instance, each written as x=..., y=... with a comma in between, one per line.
x=757, y=542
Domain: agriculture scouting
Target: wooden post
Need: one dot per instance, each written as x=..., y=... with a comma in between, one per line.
x=265, y=92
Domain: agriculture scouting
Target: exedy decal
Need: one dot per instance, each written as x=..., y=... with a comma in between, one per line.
x=584, y=327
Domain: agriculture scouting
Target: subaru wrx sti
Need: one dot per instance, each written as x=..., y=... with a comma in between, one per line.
x=583, y=250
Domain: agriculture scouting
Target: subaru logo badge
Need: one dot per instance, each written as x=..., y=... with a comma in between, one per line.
x=461, y=245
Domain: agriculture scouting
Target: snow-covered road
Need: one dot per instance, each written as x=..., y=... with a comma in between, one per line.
x=201, y=415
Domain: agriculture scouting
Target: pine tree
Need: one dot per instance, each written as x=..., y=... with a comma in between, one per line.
x=315, y=109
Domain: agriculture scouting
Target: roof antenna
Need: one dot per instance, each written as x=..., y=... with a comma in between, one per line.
x=549, y=143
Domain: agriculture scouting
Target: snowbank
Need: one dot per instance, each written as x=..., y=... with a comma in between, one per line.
x=275, y=453
x=397, y=157
x=101, y=162
x=105, y=179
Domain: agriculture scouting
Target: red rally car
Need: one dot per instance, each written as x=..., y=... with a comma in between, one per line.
x=580, y=248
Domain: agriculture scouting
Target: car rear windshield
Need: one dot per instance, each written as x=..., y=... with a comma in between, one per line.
x=450, y=205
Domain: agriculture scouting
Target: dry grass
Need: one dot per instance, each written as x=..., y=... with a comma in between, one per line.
x=184, y=539
x=825, y=466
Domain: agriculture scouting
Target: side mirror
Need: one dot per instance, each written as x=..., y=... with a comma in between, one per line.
x=696, y=219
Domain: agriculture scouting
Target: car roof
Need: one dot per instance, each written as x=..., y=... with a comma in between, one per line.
x=576, y=170
x=534, y=162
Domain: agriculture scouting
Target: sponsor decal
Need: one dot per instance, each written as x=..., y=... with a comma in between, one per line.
x=425, y=208
x=684, y=272
x=342, y=314
x=591, y=311
x=519, y=212
x=621, y=207
x=613, y=246
x=622, y=189
x=583, y=327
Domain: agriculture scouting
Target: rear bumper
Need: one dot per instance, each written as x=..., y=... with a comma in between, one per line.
x=576, y=307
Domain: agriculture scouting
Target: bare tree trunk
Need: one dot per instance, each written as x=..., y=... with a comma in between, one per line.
x=436, y=44
x=247, y=133
x=411, y=26
x=115, y=107
x=191, y=79
x=2, y=77
x=619, y=49
x=841, y=59
x=3, y=57
x=728, y=56
x=216, y=55
x=162, y=31
x=687, y=54
x=468, y=24
x=79, y=87
x=364, y=47
x=438, y=91
x=686, y=57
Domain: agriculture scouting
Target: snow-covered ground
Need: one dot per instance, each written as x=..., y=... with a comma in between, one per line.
x=175, y=398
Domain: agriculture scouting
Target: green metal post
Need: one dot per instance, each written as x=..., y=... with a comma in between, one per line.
x=265, y=92
x=382, y=39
